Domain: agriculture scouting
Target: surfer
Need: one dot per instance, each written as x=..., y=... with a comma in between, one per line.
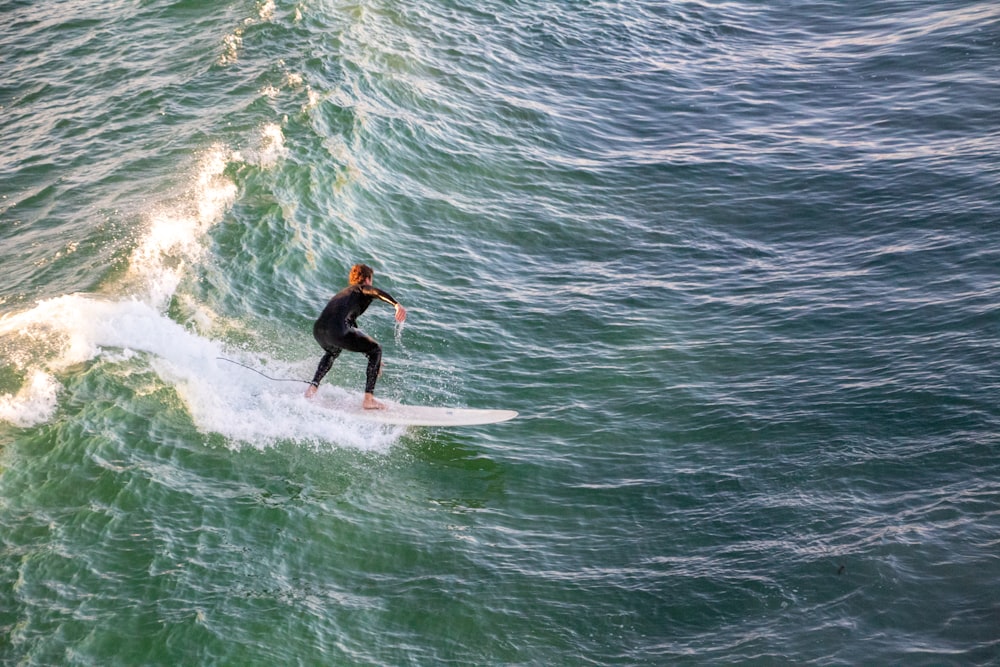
x=336, y=330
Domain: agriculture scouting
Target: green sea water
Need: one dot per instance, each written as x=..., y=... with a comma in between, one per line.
x=735, y=264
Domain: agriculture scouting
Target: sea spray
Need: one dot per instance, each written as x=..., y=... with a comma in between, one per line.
x=221, y=398
x=33, y=404
x=174, y=239
x=43, y=342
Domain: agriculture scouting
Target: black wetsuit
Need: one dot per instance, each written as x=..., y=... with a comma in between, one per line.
x=336, y=330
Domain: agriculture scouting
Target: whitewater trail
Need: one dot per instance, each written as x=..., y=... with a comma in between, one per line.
x=46, y=341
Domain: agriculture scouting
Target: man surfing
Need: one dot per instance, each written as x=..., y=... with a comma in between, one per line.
x=336, y=330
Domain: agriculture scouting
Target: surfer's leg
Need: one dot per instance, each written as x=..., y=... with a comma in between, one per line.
x=324, y=365
x=374, y=371
x=357, y=341
x=330, y=343
x=374, y=368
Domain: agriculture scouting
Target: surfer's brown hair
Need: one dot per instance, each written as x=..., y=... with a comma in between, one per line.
x=360, y=273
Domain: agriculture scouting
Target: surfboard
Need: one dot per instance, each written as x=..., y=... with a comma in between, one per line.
x=400, y=414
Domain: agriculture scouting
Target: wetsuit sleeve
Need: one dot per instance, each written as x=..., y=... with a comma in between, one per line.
x=376, y=293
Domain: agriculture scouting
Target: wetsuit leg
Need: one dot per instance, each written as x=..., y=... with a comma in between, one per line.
x=374, y=366
x=325, y=364
x=357, y=341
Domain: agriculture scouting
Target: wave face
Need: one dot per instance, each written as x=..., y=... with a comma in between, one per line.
x=735, y=265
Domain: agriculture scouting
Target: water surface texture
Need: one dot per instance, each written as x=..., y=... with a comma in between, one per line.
x=737, y=265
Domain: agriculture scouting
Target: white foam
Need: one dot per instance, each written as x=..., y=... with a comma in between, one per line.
x=41, y=343
x=34, y=404
x=272, y=146
x=266, y=10
x=175, y=238
x=221, y=397
x=232, y=44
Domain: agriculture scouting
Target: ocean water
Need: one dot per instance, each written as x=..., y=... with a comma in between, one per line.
x=736, y=264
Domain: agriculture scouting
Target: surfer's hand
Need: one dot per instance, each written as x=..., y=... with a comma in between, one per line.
x=311, y=391
x=400, y=313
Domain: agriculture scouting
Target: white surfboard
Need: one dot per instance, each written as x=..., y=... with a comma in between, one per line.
x=421, y=415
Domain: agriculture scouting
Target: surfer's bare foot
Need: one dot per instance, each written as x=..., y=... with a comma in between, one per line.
x=311, y=391
x=371, y=404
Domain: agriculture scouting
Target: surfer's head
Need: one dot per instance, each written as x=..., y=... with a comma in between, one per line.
x=359, y=274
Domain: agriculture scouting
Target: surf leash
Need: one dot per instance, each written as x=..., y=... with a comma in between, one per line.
x=250, y=368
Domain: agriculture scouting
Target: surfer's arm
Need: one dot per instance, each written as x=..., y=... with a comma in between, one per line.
x=388, y=298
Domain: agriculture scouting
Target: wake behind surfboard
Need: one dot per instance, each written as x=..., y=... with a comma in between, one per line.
x=418, y=415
